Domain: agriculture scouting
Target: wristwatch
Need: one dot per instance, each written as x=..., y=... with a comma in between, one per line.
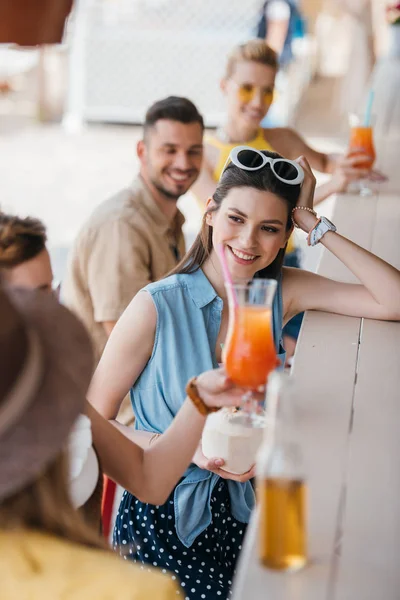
x=193, y=394
x=319, y=230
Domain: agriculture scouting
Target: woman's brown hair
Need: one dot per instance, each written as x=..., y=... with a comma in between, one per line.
x=45, y=506
x=20, y=239
x=234, y=177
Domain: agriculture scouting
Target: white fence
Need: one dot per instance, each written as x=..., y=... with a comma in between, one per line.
x=125, y=54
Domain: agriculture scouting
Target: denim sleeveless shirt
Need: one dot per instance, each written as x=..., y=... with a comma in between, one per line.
x=188, y=322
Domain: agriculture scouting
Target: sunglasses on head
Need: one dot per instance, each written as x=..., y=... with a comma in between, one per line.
x=250, y=159
x=246, y=93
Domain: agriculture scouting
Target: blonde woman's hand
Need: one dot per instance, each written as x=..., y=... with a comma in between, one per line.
x=217, y=390
x=348, y=170
x=214, y=465
x=304, y=218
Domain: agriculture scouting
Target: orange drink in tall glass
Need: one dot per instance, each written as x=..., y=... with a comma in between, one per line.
x=360, y=143
x=249, y=352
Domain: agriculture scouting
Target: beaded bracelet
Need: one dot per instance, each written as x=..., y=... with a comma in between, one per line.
x=302, y=208
x=193, y=394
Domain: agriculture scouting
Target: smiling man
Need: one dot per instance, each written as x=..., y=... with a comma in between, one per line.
x=136, y=236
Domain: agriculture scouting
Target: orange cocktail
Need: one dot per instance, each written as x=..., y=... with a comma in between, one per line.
x=250, y=352
x=361, y=143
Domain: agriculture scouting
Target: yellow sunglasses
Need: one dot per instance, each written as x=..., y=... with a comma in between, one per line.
x=246, y=93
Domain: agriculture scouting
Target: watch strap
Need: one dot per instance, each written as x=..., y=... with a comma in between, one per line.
x=321, y=227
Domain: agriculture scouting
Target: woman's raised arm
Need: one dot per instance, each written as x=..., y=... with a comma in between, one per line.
x=148, y=472
x=376, y=297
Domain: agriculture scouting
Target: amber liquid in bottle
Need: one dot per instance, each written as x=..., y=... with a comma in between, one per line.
x=282, y=526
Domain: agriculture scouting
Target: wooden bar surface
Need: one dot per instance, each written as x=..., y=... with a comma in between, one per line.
x=368, y=565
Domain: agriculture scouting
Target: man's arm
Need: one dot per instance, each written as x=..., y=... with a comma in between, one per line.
x=205, y=184
x=118, y=267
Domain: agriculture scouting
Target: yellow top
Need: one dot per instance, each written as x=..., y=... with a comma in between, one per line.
x=259, y=143
x=37, y=566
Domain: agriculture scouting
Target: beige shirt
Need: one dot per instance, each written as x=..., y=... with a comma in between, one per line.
x=127, y=243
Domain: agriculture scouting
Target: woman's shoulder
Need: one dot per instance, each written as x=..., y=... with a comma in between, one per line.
x=171, y=283
x=108, y=576
x=81, y=571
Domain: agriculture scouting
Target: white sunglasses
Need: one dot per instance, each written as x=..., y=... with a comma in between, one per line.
x=250, y=159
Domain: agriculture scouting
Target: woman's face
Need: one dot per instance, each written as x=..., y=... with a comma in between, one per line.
x=252, y=225
x=249, y=92
x=35, y=273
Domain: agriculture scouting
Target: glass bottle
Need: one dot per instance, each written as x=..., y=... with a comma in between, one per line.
x=281, y=486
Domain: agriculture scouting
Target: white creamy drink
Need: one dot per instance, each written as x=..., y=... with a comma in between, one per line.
x=228, y=435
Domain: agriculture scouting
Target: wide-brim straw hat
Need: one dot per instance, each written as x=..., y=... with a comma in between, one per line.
x=46, y=362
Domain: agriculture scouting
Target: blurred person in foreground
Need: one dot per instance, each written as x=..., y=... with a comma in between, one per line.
x=46, y=549
x=25, y=263
x=136, y=236
x=248, y=88
x=44, y=376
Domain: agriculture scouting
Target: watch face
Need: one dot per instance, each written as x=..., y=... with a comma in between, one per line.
x=328, y=222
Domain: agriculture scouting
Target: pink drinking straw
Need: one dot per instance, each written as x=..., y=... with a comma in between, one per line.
x=226, y=274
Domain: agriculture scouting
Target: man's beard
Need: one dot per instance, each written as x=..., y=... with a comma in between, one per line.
x=167, y=193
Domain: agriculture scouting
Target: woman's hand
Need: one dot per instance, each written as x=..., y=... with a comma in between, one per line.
x=303, y=218
x=377, y=176
x=214, y=465
x=217, y=390
x=347, y=170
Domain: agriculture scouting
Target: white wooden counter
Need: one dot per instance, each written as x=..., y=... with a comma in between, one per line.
x=347, y=372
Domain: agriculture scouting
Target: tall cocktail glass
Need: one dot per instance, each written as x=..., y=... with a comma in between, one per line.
x=249, y=352
x=361, y=143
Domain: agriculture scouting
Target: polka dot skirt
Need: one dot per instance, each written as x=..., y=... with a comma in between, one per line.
x=146, y=534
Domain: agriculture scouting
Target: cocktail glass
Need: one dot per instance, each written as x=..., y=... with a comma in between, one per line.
x=361, y=144
x=249, y=353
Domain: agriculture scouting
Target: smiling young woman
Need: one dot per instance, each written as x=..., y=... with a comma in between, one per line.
x=174, y=329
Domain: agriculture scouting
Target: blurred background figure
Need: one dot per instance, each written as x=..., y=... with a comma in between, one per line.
x=362, y=53
x=44, y=375
x=135, y=237
x=24, y=258
x=280, y=23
